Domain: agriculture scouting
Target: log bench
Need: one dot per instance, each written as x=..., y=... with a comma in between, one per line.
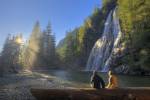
x=91, y=94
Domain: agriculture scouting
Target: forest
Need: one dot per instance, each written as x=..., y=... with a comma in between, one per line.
x=36, y=53
x=72, y=52
x=109, y=49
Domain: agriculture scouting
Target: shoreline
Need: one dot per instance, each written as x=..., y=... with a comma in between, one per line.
x=17, y=86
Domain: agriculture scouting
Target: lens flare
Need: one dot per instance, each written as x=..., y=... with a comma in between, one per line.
x=19, y=40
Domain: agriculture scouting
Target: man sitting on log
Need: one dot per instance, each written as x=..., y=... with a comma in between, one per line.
x=96, y=81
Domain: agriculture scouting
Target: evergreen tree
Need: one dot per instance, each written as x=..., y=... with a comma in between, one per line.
x=40, y=51
x=68, y=50
x=135, y=18
x=32, y=53
x=10, y=56
x=1, y=66
x=49, y=46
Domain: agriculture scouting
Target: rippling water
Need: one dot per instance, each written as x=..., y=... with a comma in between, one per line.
x=82, y=79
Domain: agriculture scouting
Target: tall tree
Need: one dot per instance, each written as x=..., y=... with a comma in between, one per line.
x=10, y=56
x=49, y=46
x=32, y=56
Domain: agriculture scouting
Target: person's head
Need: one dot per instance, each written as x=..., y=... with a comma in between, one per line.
x=110, y=73
x=94, y=72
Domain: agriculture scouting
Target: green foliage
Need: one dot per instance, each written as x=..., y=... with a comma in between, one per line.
x=33, y=47
x=40, y=51
x=76, y=46
x=11, y=55
x=108, y=2
x=135, y=18
x=47, y=48
x=68, y=49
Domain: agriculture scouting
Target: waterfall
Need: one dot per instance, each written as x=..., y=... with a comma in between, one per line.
x=102, y=53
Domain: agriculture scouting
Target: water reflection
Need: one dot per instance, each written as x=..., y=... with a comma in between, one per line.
x=82, y=78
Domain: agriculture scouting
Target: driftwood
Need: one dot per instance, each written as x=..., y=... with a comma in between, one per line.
x=91, y=94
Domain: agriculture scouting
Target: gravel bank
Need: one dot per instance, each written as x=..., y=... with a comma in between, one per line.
x=17, y=86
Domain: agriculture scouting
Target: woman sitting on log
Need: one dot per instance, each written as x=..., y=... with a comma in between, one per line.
x=112, y=82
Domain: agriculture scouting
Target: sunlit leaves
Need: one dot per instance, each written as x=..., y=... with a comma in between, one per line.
x=135, y=18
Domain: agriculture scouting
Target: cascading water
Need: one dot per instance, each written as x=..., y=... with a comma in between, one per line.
x=102, y=53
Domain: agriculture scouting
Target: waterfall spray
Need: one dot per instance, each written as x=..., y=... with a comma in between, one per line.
x=101, y=55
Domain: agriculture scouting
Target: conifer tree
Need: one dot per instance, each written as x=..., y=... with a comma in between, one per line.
x=49, y=46
x=33, y=47
x=10, y=56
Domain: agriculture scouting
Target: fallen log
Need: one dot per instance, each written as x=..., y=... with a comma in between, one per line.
x=91, y=94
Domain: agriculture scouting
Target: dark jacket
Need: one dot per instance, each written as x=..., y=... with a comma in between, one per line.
x=97, y=82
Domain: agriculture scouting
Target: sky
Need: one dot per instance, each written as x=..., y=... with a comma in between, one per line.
x=19, y=16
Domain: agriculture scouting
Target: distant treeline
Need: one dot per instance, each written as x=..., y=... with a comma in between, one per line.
x=36, y=53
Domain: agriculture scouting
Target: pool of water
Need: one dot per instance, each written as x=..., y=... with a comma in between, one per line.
x=82, y=78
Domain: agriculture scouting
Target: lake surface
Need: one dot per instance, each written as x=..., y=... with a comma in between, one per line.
x=82, y=78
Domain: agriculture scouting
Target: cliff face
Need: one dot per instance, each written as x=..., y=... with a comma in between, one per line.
x=134, y=18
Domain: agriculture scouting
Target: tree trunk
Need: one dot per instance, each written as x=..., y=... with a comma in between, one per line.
x=91, y=94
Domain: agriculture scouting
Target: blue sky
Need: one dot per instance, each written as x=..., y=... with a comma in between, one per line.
x=19, y=16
